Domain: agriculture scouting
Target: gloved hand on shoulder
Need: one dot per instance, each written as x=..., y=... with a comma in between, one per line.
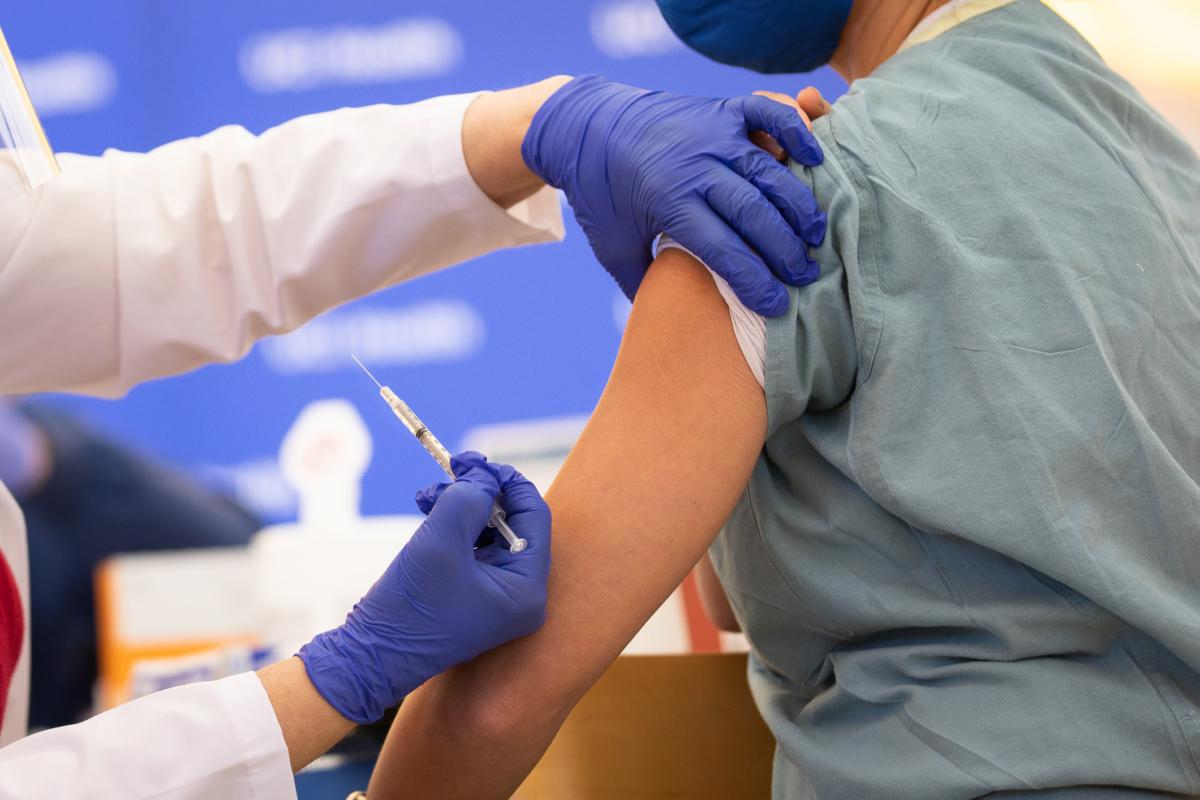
x=636, y=163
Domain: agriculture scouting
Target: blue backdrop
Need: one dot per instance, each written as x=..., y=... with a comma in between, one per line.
x=515, y=335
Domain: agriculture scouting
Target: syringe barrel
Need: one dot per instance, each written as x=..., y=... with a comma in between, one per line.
x=442, y=456
x=417, y=428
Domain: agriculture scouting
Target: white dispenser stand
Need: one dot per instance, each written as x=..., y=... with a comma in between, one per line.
x=310, y=574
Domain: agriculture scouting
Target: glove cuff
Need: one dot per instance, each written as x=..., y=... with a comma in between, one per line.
x=351, y=678
x=336, y=678
x=560, y=129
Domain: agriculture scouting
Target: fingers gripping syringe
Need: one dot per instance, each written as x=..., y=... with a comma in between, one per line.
x=440, y=454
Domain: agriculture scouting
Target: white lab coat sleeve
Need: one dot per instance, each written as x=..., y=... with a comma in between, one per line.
x=202, y=741
x=130, y=266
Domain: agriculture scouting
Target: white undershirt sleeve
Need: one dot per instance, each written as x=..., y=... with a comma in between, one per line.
x=749, y=328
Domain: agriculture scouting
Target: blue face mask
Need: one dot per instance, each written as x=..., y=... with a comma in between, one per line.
x=762, y=35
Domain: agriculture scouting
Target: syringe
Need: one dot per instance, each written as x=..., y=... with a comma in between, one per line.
x=440, y=454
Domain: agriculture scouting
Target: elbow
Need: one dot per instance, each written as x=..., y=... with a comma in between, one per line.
x=499, y=699
x=499, y=718
x=527, y=717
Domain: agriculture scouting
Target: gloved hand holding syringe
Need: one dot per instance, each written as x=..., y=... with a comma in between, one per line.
x=440, y=454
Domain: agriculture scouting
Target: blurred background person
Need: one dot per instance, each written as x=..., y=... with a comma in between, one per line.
x=86, y=498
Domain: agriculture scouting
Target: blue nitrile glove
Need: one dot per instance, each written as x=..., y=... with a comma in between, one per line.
x=441, y=602
x=635, y=163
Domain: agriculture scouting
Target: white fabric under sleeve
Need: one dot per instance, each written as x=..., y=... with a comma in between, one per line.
x=749, y=328
x=130, y=266
x=206, y=740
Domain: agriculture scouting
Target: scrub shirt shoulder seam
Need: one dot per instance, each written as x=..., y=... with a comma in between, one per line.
x=873, y=315
x=861, y=457
x=775, y=372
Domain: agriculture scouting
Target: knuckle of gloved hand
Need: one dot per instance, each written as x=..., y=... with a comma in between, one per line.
x=750, y=165
x=734, y=108
x=426, y=498
x=468, y=495
x=798, y=256
x=467, y=460
x=747, y=215
x=505, y=475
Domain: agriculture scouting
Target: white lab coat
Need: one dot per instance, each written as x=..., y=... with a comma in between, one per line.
x=133, y=266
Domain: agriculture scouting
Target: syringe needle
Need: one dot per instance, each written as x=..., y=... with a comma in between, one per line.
x=364, y=369
x=435, y=448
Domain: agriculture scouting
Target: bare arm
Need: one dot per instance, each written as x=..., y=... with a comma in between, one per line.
x=310, y=725
x=654, y=475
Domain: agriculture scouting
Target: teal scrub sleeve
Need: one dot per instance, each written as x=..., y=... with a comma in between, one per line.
x=811, y=351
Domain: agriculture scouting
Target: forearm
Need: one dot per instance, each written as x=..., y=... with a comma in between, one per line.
x=504, y=708
x=450, y=741
x=493, y=129
x=310, y=725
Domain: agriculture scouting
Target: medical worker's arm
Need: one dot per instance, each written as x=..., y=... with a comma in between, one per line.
x=218, y=739
x=131, y=266
x=655, y=474
x=442, y=601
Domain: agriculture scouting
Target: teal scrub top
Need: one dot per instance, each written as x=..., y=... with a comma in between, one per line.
x=968, y=558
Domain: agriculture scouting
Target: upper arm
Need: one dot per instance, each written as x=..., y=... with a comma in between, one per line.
x=653, y=477
x=660, y=465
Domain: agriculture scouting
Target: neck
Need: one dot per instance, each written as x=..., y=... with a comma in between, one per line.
x=874, y=32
